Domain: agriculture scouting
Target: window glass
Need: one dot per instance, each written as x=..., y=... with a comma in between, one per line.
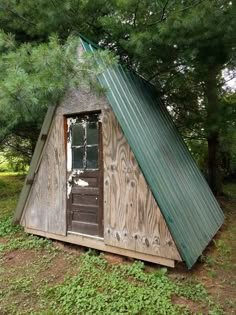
x=77, y=157
x=92, y=157
x=92, y=133
x=77, y=134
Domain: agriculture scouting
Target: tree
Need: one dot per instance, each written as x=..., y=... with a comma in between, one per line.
x=182, y=47
x=32, y=77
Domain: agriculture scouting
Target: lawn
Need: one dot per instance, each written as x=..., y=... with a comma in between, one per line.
x=38, y=276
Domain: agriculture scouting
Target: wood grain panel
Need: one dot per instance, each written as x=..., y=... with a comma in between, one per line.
x=45, y=208
x=46, y=205
x=132, y=218
x=33, y=164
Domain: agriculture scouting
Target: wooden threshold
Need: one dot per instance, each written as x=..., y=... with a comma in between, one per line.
x=98, y=243
x=86, y=235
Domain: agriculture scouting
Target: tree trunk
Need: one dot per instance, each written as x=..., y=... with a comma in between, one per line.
x=214, y=176
x=213, y=130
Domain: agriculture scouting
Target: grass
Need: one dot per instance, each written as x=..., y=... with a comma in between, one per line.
x=10, y=187
x=230, y=189
x=41, y=277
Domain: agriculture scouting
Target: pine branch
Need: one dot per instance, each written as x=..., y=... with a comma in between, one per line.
x=17, y=14
x=163, y=15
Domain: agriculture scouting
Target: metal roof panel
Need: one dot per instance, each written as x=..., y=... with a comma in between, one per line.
x=182, y=193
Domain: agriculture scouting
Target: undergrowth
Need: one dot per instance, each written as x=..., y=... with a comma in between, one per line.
x=96, y=286
x=101, y=288
x=17, y=239
x=6, y=227
x=27, y=242
x=10, y=187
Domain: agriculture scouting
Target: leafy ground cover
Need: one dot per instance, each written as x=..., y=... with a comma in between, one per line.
x=38, y=276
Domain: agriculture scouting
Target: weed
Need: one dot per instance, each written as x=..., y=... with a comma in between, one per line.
x=222, y=248
x=26, y=242
x=209, y=260
x=192, y=289
x=212, y=273
x=100, y=288
x=21, y=284
x=6, y=227
x=217, y=310
x=230, y=303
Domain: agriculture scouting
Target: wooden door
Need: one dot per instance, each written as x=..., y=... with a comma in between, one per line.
x=84, y=175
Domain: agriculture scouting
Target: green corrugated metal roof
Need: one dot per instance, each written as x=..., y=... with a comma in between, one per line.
x=183, y=195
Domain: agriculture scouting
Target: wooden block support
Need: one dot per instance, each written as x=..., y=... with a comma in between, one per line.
x=29, y=181
x=44, y=137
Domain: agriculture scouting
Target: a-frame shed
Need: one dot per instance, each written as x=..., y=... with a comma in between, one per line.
x=112, y=173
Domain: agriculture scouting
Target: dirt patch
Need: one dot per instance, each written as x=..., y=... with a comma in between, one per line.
x=18, y=258
x=117, y=259
x=194, y=307
x=60, y=267
x=3, y=240
x=70, y=248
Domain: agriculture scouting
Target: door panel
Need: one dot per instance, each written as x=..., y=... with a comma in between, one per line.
x=85, y=228
x=85, y=175
x=84, y=216
x=84, y=199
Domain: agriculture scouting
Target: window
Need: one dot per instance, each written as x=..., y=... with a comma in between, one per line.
x=84, y=145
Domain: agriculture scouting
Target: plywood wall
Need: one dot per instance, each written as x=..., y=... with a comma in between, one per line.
x=45, y=209
x=132, y=218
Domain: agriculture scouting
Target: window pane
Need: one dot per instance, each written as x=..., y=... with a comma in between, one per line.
x=92, y=157
x=77, y=134
x=92, y=133
x=77, y=157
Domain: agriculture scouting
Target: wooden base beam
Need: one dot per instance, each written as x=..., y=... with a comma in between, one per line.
x=98, y=243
